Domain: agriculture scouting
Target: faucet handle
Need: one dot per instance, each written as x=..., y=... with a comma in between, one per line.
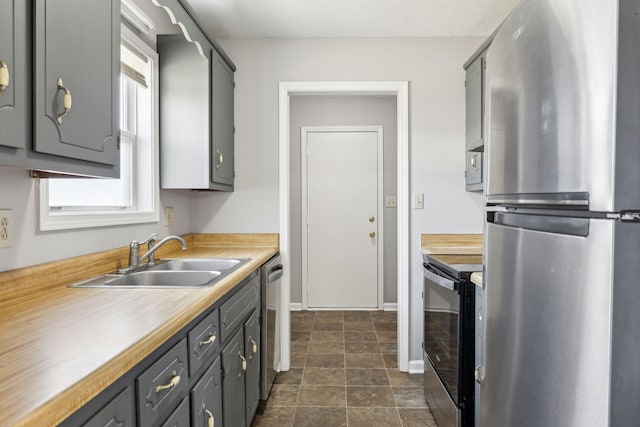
x=149, y=239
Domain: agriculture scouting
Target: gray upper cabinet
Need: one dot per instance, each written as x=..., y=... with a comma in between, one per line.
x=76, y=43
x=13, y=74
x=76, y=79
x=222, y=123
x=474, y=81
x=474, y=84
x=196, y=108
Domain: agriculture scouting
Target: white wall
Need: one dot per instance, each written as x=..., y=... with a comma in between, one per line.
x=18, y=192
x=433, y=68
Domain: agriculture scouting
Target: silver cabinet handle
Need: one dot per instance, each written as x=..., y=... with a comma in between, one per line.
x=66, y=101
x=220, y=159
x=4, y=76
x=474, y=161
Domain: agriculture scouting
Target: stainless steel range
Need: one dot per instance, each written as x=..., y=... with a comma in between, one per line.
x=449, y=338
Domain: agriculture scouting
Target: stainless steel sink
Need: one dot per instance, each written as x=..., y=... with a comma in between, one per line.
x=166, y=279
x=169, y=273
x=199, y=264
x=153, y=279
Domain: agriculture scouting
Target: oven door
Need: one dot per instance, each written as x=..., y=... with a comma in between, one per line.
x=442, y=327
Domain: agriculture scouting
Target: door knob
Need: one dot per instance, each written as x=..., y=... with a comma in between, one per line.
x=372, y=234
x=372, y=218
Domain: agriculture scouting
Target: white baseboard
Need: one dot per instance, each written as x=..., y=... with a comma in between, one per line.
x=390, y=306
x=387, y=306
x=416, y=366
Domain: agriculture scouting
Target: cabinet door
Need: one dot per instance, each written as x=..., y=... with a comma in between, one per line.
x=77, y=49
x=119, y=412
x=13, y=58
x=474, y=103
x=222, y=125
x=179, y=417
x=233, y=387
x=206, y=398
x=252, y=376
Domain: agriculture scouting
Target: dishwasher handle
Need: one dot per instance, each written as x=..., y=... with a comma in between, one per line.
x=275, y=273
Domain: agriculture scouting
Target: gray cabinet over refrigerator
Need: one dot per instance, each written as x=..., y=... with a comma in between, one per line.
x=474, y=84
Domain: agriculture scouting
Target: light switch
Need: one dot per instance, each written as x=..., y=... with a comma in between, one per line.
x=390, y=202
x=418, y=200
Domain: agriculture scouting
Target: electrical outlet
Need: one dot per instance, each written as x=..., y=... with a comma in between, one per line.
x=6, y=228
x=168, y=216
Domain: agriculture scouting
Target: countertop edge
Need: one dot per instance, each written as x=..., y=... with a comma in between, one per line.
x=69, y=400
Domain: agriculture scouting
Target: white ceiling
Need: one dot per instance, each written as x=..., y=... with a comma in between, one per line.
x=350, y=18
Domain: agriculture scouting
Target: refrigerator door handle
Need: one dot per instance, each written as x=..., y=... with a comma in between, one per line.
x=439, y=280
x=551, y=224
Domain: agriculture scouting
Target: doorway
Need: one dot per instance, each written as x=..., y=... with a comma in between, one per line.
x=399, y=90
x=342, y=217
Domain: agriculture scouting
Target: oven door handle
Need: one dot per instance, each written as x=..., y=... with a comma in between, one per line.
x=439, y=280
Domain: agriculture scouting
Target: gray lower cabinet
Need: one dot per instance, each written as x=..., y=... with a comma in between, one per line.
x=163, y=383
x=233, y=384
x=120, y=412
x=13, y=75
x=206, y=398
x=197, y=377
x=252, y=375
x=180, y=417
x=241, y=367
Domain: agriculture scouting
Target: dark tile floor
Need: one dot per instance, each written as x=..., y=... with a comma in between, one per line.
x=344, y=372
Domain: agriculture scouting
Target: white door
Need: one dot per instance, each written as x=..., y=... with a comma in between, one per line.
x=342, y=178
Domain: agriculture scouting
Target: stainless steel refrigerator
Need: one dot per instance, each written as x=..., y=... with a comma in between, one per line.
x=562, y=240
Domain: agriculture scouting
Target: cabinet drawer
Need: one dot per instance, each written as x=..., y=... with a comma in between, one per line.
x=156, y=394
x=234, y=312
x=118, y=412
x=203, y=342
x=206, y=397
x=179, y=417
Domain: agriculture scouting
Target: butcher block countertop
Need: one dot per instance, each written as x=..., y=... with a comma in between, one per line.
x=451, y=244
x=61, y=346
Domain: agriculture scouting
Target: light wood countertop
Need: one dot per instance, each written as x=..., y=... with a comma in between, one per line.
x=60, y=346
x=451, y=244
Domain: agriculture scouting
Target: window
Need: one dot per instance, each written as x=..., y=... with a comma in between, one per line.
x=134, y=198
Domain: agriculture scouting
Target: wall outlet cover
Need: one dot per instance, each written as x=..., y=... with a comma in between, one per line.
x=6, y=228
x=168, y=215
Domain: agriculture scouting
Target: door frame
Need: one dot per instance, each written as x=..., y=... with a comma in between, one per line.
x=400, y=89
x=379, y=206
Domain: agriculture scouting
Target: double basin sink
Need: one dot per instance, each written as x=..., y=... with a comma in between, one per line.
x=169, y=273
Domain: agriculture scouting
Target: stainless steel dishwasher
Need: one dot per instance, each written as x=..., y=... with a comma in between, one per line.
x=270, y=275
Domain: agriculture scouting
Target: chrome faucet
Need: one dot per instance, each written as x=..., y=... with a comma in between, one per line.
x=134, y=252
